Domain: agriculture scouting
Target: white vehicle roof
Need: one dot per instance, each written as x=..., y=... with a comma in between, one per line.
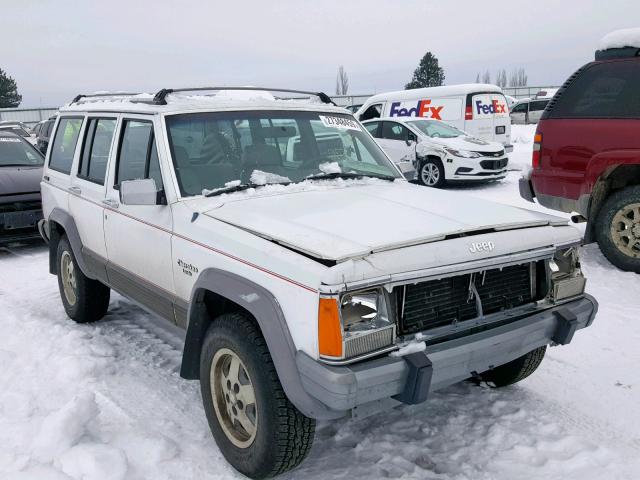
x=181, y=102
x=448, y=90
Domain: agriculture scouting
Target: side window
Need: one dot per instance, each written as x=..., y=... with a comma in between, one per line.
x=374, y=111
x=64, y=144
x=538, y=106
x=96, y=148
x=394, y=131
x=521, y=108
x=372, y=128
x=603, y=90
x=138, y=156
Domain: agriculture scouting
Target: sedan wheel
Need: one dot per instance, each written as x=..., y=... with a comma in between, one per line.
x=431, y=173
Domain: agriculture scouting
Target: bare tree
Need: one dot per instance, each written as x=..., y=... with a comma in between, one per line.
x=342, y=81
x=501, y=78
x=486, y=77
x=518, y=78
x=478, y=78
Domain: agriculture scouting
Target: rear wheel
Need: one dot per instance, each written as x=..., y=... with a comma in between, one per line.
x=259, y=431
x=516, y=370
x=431, y=173
x=85, y=300
x=617, y=229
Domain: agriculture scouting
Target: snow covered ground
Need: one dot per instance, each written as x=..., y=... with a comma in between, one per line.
x=105, y=401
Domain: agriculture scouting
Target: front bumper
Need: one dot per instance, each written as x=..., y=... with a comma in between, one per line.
x=19, y=225
x=412, y=378
x=460, y=169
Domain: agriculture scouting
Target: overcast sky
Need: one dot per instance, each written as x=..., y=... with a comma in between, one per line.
x=56, y=49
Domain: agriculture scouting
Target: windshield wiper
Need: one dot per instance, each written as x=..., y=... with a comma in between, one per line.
x=240, y=187
x=347, y=176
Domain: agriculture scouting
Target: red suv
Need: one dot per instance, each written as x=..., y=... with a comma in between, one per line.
x=586, y=155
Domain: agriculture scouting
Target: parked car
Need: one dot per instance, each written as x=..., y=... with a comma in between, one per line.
x=315, y=285
x=482, y=110
x=19, y=129
x=527, y=110
x=20, y=175
x=437, y=151
x=586, y=155
x=44, y=133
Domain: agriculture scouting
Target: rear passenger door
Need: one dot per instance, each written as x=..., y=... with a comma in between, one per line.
x=88, y=184
x=138, y=237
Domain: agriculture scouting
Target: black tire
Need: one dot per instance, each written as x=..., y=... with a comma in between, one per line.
x=283, y=435
x=516, y=370
x=423, y=172
x=604, y=224
x=91, y=297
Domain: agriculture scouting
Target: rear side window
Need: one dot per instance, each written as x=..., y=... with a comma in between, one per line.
x=603, y=90
x=96, y=148
x=64, y=144
x=521, y=108
x=138, y=156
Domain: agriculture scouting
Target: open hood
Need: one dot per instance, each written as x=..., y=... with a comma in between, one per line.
x=349, y=222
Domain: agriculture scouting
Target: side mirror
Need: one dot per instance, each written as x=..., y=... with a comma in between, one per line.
x=139, y=192
x=410, y=141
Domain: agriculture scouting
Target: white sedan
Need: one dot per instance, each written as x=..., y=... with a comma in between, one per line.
x=439, y=152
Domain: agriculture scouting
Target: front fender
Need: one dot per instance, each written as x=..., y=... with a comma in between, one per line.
x=264, y=307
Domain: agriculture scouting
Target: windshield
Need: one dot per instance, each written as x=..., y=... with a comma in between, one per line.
x=15, y=129
x=436, y=129
x=16, y=153
x=228, y=149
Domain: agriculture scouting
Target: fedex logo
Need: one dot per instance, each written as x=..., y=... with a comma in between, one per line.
x=422, y=109
x=493, y=107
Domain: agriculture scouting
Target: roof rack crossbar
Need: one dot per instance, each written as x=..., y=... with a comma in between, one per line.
x=160, y=98
x=77, y=98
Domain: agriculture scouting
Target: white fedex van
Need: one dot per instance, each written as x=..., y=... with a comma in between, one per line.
x=479, y=109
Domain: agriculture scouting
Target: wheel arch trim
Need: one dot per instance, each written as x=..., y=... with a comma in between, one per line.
x=68, y=224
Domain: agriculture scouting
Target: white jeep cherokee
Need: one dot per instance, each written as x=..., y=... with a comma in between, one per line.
x=313, y=281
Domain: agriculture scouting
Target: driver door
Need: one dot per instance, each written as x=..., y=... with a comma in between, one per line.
x=397, y=142
x=138, y=237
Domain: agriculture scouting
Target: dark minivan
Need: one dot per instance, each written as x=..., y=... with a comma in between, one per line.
x=586, y=153
x=20, y=176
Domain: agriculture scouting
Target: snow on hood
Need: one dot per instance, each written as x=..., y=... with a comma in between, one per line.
x=356, y=220
x=627, y=37
x=466, y=142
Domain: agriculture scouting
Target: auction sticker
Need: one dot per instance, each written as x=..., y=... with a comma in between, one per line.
x=340, y=122
x=10, y=140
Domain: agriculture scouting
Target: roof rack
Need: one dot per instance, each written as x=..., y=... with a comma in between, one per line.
x=160, y=98
x=77, y=98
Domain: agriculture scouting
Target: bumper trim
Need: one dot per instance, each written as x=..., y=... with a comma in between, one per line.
x=412, y=380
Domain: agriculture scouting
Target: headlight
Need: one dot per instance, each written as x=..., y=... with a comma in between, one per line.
x=462, y=153
x=358, y=324
x=566, y=277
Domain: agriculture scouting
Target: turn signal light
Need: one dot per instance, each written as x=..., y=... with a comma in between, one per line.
x=329, y=328
x=537, y=149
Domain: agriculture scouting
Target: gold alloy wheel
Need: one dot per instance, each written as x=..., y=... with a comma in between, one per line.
x=68, y=272
x=233, y=398
x=625, y=230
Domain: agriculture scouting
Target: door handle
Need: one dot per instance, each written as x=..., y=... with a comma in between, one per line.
x=110, y=203
x=75, y=190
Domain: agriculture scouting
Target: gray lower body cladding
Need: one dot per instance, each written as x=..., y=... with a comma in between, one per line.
x=343, y=388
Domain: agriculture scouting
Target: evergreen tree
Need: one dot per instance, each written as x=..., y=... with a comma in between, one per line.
x=9, y=96
x=428, y=73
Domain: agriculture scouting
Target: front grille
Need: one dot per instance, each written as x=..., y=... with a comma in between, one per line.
x=437, y=303
x=494, y=164
x=368, y=342
x=492, y=154
x=20, y=206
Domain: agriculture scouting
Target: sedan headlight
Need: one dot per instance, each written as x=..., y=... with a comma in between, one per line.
x=358, y=324
x=566, y=276
x=463, y=153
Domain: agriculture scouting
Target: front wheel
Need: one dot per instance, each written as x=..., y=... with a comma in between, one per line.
x=259, y=431
x=617, y=229
x=516, y=370
x=431, y=173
